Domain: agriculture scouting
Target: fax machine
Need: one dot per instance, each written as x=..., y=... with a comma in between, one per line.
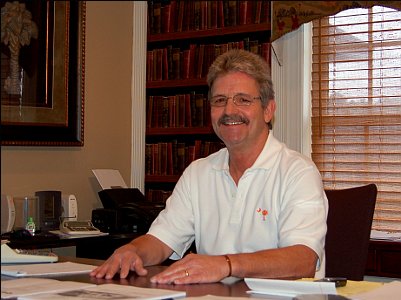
x=125, y=211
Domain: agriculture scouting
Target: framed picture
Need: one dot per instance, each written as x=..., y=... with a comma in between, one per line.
x=42, y=73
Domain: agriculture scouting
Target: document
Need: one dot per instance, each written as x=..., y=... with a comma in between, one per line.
x=51, y=289
x=109, y=178
x=386, y=291
x=289, y=288
x=60, y=268
x=17, y=288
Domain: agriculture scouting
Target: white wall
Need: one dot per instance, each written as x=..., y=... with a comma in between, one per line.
x=291, y=78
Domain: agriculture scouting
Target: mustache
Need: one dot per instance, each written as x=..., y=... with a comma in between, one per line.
x=232, y=118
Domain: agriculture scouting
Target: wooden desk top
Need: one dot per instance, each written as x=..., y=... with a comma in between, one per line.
x=237, y=289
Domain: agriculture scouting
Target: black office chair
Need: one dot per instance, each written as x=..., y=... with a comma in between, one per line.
x=349, y=222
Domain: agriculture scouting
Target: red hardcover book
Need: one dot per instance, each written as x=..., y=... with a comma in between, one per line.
x=148, y=159
x=199, y=110
x=172, y=110
x=155, y=159
x=250, y=12
x=192, y=56
x=163, y=158
x=173, y=16
x=265, y=13
x=232, y=8
x=186, y=62
x=170, y=166
x=157, y=111
x=165, y=112
x=254, y=47
x=180, y=157
x=243, y=11
x=201, y=54
x=203, y=15
x=188, y=117
x=197, y=15
x=191, y=154
x=266, y=52
x=181, y=12
x=181, y=114
x=149, y=65
x=198, y=145
x=165, y=69
x=214, y=12
x=258, y=11
x=193, y=109
x=176, y=63
x=187, y=16
x=166, y=18
x=157, y=17
x=149, y=112
x=220, y=13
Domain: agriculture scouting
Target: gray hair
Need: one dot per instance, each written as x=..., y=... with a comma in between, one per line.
x=238, y=60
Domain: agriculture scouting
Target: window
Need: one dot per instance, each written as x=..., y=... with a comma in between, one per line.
x=356, y=105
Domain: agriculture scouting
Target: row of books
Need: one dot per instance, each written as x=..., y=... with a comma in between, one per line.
x=182, y=110
x=184, y=15
x=172, y=63
x=159, y=196
x=171, y=158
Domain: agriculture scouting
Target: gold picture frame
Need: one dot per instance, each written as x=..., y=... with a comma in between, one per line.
x=42, y=98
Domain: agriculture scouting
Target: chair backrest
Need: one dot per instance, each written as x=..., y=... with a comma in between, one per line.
x=349, y=222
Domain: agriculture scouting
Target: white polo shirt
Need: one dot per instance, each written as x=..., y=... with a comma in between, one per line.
x=279, y=202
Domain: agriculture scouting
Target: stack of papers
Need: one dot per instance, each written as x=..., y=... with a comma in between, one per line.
x=51, y=289
x=34, y=270
x=289, y=288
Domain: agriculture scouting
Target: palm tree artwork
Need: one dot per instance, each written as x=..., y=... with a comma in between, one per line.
x=17, y=30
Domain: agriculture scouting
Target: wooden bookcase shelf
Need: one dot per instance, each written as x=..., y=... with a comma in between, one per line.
x=177, y=63
x=232, y=30
x=162, y=84
x=180, y=131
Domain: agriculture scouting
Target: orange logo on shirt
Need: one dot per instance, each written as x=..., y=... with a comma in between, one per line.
x=263, y=212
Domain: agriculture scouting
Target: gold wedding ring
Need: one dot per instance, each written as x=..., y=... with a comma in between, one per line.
x=186, y=273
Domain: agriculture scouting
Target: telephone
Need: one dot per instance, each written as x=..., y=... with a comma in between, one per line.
x=78, y=228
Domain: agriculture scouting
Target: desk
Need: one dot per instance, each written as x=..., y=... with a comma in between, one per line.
x=237, y=289
x=384, y=257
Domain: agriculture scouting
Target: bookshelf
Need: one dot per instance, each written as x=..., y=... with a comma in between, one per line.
x=184, y=38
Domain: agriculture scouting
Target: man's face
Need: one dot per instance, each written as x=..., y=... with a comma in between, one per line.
x=240, y=126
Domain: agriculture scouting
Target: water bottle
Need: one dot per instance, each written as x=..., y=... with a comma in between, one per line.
x=30, y=226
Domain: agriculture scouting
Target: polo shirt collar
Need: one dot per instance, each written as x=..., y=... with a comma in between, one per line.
x=265, y=159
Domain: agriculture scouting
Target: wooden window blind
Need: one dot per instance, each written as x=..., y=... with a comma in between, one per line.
x=356, y=105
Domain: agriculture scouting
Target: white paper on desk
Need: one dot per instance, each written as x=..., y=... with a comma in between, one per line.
x=110, y=291
x=31, y=286
x=109, y=179
x=386, y=291
x=289, y=288
x=54, y=269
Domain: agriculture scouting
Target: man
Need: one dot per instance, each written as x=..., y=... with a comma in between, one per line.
x=254, y=208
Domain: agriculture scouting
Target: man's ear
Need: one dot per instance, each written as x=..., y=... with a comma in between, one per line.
x=270, y=110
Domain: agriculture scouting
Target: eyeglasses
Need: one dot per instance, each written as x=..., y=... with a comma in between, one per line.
x=239, y=100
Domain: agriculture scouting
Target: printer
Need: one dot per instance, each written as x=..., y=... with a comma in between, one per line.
x=125, y=210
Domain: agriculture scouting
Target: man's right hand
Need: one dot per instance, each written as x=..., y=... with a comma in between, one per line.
x=123, y=260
